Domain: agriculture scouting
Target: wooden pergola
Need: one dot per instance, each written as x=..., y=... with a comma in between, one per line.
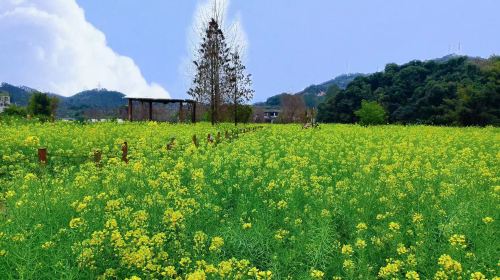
x=150, y=102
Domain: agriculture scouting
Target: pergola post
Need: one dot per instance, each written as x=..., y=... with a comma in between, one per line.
x=130, y=109
x=150, y=110
x=181, y=113
x=150, y=101
x=193, y=112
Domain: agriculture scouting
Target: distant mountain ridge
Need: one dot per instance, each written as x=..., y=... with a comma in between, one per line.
x=70, y=106
x=314, y=94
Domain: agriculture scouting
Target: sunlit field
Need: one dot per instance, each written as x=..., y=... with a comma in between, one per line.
x=281, y=202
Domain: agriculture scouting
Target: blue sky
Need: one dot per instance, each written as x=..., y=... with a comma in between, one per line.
x=292, y=43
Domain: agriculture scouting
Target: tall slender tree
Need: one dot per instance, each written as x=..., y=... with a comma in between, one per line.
x=240, y=84
x=212, y=65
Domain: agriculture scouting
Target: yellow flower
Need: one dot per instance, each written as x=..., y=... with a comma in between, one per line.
x=216, y=244
x=390, y=270
x=133, y=278
x=317, y=274
x=361, y=227
x=440, y=275
x=48, y=245
x=412, y=275
x=137, y=167
x=197, y=275
x=360, y=243
x=325, y=213
x=488, y=220
x=348, y=264
x=458, y=240
x=10, y=194
x=394, y=226
x=264, y=275
x=449, y=264
x=173, y=218
x=185, y=261
x=112, y=205
x=417, y=218
x=75, y=223
x=225, y=268
x=111, y=224
x=477, y=276
x=32, y=141
x=200, y=238
x=282, y=204
x=281, y=234
x=402, y=249
x=30, y=177
x=247, y=225
x=347, y=250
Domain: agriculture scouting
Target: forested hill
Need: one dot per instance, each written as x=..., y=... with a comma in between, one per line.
x=455, y=91
x=315, y=94
x=98, y=99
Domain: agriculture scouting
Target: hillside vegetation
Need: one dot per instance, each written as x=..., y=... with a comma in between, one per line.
x=454, y=91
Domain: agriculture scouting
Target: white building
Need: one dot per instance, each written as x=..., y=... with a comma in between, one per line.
x=4, y=101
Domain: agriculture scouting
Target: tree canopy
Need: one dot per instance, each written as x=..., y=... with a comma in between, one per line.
x=459, y=91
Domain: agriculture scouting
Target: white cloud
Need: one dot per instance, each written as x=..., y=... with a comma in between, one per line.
x=231, y=26
x=50, y=46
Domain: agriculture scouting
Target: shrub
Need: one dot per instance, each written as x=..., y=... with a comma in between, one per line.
x=371, y=113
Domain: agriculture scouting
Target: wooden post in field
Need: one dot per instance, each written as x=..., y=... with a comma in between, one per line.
x=42, y=155
x=209, y=138
x=171, y=144
x=97, y=156
x=125, y=152
x=195, y=141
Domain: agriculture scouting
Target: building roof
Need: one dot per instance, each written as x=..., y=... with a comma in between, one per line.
x=159, y=100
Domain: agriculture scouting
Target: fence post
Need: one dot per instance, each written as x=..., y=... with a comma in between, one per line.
x=42, y=155
x=125, y=152
x=195, y=141
x=171, y=144
x=97, y=156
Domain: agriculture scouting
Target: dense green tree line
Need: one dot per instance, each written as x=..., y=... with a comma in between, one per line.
x=458, y=91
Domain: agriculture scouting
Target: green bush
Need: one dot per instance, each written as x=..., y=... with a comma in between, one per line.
x=371, y=113
x=15, y=111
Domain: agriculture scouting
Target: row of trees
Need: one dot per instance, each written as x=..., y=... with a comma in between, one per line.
x=40, y=106
x=458, y=91
x=220, y=77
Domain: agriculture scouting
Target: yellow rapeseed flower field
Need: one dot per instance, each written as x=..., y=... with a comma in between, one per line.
x=340, y=202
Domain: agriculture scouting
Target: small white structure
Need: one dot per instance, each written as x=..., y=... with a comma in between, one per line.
x=4, y=101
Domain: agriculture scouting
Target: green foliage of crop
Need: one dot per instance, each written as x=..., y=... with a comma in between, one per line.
x=281, y=202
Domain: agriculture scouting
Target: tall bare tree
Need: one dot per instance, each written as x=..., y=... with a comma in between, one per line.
x=212, y=65
x=293, y=108
x=240, y=84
